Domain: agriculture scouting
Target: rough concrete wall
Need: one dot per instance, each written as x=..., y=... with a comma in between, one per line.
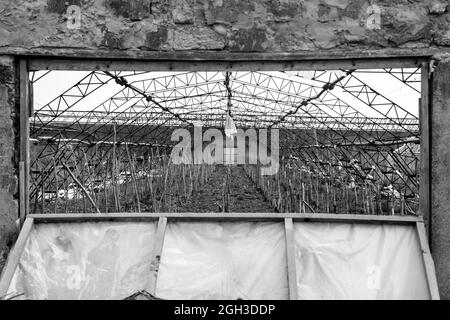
x=440, y=175
x=8, y=157
x=234, y=25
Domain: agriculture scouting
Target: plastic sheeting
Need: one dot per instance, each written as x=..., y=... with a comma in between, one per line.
x=104, y=260
x=359, y=261
x=224, y=260
x=221, y=260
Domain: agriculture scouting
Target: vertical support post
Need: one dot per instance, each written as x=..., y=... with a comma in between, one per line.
x=115, y=173
x=22, y=192
x=24, y=134
x=156, y=254
x=425, y=143
x=133, y=177
x=440, y=173
x=427, y=261
x=290, y=252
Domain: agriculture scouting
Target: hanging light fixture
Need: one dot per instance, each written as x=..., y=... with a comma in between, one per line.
x=230, y=127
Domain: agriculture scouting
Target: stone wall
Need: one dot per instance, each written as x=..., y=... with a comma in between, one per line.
x=232, y=25
x=8, y=157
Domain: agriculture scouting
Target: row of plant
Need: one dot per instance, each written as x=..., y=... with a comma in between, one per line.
x=119, y=179
x=296, y=188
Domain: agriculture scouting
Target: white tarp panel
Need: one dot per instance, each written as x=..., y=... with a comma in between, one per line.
x=358, y=261
x=224, y=260
x=221, y=260
x=104, y=260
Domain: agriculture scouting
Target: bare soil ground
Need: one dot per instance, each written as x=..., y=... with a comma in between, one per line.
x=244, y=195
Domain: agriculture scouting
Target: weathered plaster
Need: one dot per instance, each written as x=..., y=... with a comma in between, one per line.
x=440, y=175
x=8, y=172
x=231, y=25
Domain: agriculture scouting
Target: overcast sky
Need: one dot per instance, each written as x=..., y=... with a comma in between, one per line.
x=56, y=82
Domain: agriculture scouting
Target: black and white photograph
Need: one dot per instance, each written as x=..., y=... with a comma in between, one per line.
x=224, y=154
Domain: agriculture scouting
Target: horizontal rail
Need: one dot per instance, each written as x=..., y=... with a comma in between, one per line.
x=315, y=217
x=256, y=119
x=216, y=61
